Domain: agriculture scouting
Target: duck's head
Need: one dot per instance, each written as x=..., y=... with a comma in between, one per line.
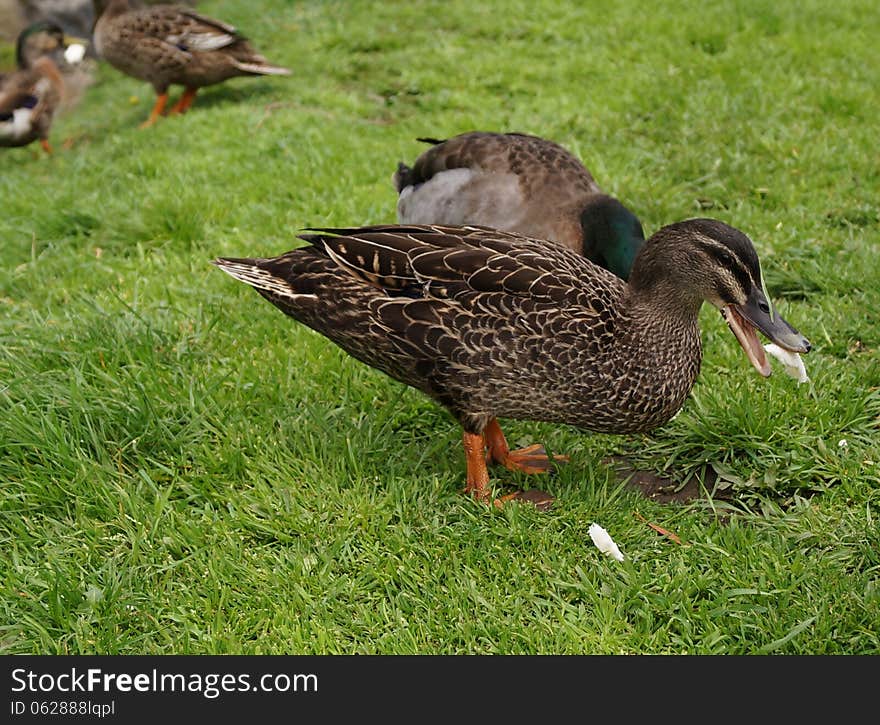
x=47, y=39
x=705, y=259
x=612, y=235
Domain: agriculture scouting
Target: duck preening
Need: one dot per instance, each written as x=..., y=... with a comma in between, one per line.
x=493, y=324
x=167, y=45
x=518, y=183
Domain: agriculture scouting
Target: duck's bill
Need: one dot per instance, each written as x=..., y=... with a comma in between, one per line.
x=747, y=337
x=745, y=321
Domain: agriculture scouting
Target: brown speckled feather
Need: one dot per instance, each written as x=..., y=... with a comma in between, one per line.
x=487, y=323
x=533, y=160
x=170, y=44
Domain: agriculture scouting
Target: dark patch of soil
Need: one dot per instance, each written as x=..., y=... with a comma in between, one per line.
x=662, y=488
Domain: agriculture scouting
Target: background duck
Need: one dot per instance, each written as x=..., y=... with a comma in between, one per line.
x=31, y=94
x=519, y=183
x=168, y=45
x=68, y=52
x=496, y=325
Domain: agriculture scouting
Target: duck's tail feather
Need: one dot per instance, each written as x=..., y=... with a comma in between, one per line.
x=402, y=177
x=251, y=272
x=263, y=69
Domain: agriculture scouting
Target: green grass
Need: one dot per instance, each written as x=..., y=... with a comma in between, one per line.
x=185, y=470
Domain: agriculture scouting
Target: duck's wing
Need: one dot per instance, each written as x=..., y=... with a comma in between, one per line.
x=506, y=181
x=456, y=312
x=348, y=281
x=173, y=35
x=14, y=101
x=517, y=154
x=448, y=263
x=158, y=43
x=180, y=27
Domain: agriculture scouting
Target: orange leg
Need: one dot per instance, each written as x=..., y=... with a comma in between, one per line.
x=159, y=106
x=533, y=459
x=492, y=445
x=45, y=144
x=185, y=101
x=477, y=473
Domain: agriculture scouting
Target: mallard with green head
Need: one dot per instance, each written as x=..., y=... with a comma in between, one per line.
x=495, y=325
x=518, y=183
x=31, y=94
x=47, y=38
x=167, y=45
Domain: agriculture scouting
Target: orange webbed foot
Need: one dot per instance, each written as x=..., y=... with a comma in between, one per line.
x=532, y=459
x=491, y=446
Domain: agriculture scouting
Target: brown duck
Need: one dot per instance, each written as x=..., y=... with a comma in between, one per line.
x=495, y=325
x=168, y=45
x=518, y=183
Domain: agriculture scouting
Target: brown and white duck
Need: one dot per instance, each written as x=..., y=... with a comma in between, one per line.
x=495, y=325
x=167, y=45
x=31, y=94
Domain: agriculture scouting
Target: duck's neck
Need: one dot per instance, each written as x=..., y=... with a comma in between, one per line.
x=22, y=54
x=658, y=354
x=612, y=234
x=662, y=299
